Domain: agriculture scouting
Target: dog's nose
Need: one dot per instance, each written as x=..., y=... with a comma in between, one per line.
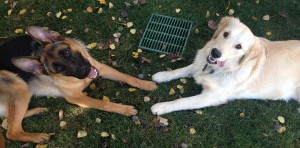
x=215, y=53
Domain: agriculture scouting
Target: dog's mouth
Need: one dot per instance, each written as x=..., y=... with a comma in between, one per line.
x=212, y=60
x=93, y=73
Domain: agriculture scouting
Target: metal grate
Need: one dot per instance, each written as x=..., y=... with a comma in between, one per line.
x=166, y=34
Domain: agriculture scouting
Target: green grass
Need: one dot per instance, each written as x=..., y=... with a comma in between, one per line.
x=219, y=126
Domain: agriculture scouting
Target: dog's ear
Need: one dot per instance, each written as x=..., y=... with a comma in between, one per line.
x=29, y=64
x=224, y=21
x=43, y=35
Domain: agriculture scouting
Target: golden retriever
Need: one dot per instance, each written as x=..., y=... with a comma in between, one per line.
x=235, y=64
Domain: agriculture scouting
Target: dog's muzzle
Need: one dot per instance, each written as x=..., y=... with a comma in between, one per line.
x=93, y=73
x=212, y=60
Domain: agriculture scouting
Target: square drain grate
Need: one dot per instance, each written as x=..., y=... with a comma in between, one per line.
x=166, y=34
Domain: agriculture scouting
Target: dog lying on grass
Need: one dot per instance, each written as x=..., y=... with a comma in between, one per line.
x=48, y=64
x=235, y=64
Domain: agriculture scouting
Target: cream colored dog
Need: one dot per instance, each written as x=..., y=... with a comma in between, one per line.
x=235, y=64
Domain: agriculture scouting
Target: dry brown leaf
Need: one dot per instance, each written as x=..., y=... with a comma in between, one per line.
x=23, y=11
x=60, y=114
x=89, y=9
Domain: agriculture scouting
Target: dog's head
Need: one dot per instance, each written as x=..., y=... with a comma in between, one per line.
x=230, y=42
x=58, y=56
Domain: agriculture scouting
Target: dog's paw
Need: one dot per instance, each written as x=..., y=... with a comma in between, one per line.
x=160, y=108
x=150, y=86
x=130, y=111
x=161, y=77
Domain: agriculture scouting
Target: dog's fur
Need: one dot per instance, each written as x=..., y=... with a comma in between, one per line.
x=235, y=64
x=48, y=64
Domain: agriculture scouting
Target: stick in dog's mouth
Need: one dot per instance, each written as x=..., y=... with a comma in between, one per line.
x=93, y=73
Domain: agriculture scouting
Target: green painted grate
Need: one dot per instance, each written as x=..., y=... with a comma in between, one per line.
x=166, y=34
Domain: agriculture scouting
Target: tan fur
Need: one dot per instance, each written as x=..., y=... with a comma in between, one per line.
x=249, y=67
x=15, y=104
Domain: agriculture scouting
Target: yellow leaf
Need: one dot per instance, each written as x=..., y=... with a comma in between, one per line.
x=162, y=56
x=69, y=10
x=242, y=114
x=207, y=14
x=200, y=112
x=91, y=45
x=49, y=14
x=69, y=32
x=89, y=9
x=112, y=46
x=172, y=91
x=139, y=50
x=105, y=98
x=41, y=146
x=4, y=124
x=9, y=12
x=266, y=17
x=113, y=136
x=146, y=99
x=131, y=89
x=132, y=31
x=92, y=86
x=281, y=119
x=81, y=134
x=64, y=17
x=179, y=86
x=184, y=81
x=135, y=55
x=100, y=10
x=23, y=11
x=58, y=14
x=281, y=130
x=19, y=30
x=60, y=114
x=268, y=33
x=104, y=134
x=192, y=131
x=102, y=1
x=254, y=18
x=98, y=120
x=110, y=5
x=62, y=124
x=129, y=24
x=231, y=11
x=177, y=10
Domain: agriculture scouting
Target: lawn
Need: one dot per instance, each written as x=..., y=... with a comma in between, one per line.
x=240, y=123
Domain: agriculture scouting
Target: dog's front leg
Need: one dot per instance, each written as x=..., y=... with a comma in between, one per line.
x=195, y=102
x=112, y=74
x=84, y=101
x=165, y=76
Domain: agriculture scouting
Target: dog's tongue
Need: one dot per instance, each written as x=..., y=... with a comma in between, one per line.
x=220, y=63
x=93, y=73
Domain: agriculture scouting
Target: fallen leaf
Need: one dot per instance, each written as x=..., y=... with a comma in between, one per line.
x=242, y=114
x=41, y=146
x=69, y=32
x=23, y=11
x=124, y=14
x=183, y=145
x=197, y=31
x=4, y=124
x=89, y=9
x=81, y=134
x=102, y=1
x=239, y=4
x=19, y=30
x=160, y=122
x=58, y=14
x=102, y=46
x=254, y=18
x=162, y=56
x=113, y=18
x=131, y=89
x=142, y=2
x=49, y=14
x=100, y=10
x=64, y=17
x=129, y=24
x=139, y=50
x=257, y=1
x=212, y=24
x=112, y=46
x=200, y=112
x=177, y=10
x=266, y=17
x=63, y=124
x=9, y=12
x=135, y=2
x=281, y=119
x=280, y=129
x=105, y=98
x=283, y=14
x=269, y=33
x=207, y=14
x=117, y=34
x=69, y=10
x=60, y=114
x=110, y=5
x=172, y=91
x=183, y=80
x=92, y=86
x=91, y=45
x=135, y=55
x=136, y=120
x=231, y=11
x=127, y=4
x=192, y=131
x=98, y=120
x=104, y=134
x=146, y=99
x=113, y=136
x=26, y=145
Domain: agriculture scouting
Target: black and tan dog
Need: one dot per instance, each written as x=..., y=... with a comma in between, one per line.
x=48, y=64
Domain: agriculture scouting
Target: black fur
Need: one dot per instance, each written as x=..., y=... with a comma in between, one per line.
x=20, y=46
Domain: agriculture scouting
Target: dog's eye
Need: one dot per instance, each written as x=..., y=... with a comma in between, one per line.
x=58, y=67
x=67, y=53
x=225, y=34
x=238, y=46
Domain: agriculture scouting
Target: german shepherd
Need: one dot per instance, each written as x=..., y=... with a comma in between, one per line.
x=44, y=63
